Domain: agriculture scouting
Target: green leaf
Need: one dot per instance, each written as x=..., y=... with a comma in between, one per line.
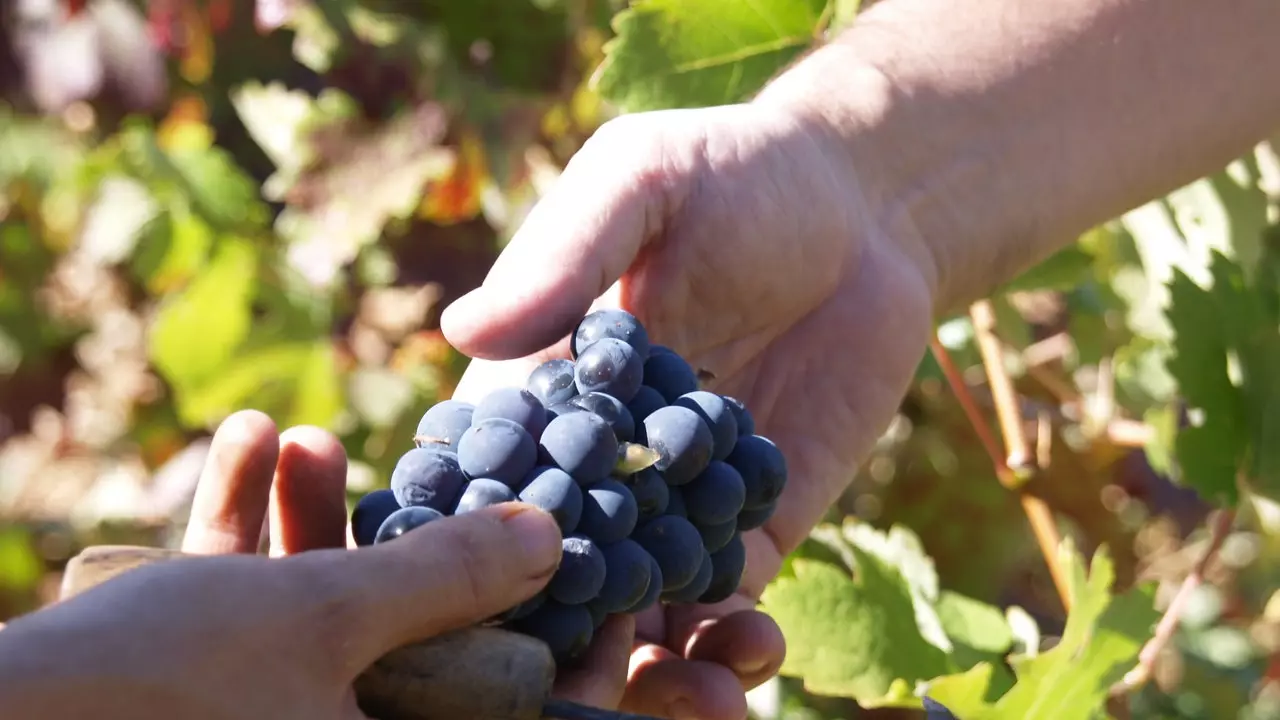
x=852, y=637
x=976, y=624
x=697, y=53
x=197, y=331
x=1064, y=270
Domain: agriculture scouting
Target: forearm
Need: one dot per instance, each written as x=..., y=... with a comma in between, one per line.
x=995, y=131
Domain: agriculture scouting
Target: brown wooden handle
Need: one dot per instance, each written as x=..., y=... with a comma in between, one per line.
x=472, y=674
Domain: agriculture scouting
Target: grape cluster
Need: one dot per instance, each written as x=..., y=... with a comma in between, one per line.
x=651, y=479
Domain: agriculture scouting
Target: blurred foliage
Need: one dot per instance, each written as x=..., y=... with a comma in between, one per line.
x=207, y=205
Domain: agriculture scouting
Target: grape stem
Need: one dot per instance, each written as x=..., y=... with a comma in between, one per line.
x=1009, y=413
x=1219, y=529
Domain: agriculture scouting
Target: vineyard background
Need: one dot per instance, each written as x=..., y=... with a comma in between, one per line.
x=207, y=205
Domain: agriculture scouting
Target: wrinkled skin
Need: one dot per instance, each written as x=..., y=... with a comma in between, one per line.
x=744, y=239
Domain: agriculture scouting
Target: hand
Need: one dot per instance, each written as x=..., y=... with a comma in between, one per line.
x=245, y=636
x=742, y=238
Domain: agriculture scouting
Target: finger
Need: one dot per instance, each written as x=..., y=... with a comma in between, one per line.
x=663, y=684
x=598, y=677
x=448, y=574
x=578, y=240
x=230, y=502
x=308, y=498
x=747, y=642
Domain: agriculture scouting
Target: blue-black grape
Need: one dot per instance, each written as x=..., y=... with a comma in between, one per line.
x=443, y=424
x=526, y=608
x=403, y=520
x=727, y=565
x=566, y=629
x=715, y=537
x=481, y=493
x=598, y=614
x=609, y=512
x=675, y=503
x=428, y=477
x=677, y=547
x=934, y=710
x=669, y=374
x=563, y=408
x=715, y=495
x=762, y=467
x=651, y=493
x=746, y=422
x=642, y=406
x=610, y=323
x=611, y=410
x=582, y=444
x=369, y=513
x=690, y=593
x=515, y=404
x=552, y=382
x=718, y=416
x=498, y=449
x=626, y=576
x=609, y=366
x=581, y=572
x=652, y=593
x=554, y=491
x=755, y=517
x=682, y=440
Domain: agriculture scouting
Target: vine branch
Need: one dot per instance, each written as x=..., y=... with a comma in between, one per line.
x=1038, y=514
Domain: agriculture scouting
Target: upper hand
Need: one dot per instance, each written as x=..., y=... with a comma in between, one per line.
x=743, y=238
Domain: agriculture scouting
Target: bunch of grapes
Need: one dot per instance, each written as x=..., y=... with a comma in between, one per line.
x=651, y=479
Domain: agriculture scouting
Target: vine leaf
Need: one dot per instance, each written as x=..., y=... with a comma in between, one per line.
x=696, y=53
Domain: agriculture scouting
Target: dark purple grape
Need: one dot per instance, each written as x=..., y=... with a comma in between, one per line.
x=727, y=566
x=552, y=382
x=756, y=517
x=566, y=629
x=482, y=493
x=642, y=406
x=582, y=444
x=609, y=512
x=610, y=323
x=669, y=374
x=498, y=449
x=746, y=422
x=369, y=514
x=554, y=491
x=696, y=587
x=718, y=416
x=403, y=520
x=651, y=493
x=675, y=503
x=763, y=469
x=428, y=477
x=626, y=576
x=715, y=537
x=715, y=495
x=581, y=572
x=563, y=408
x=682, y=440
x=611, y=411
x=515, y=404
x=443, y=424
x=677, y=547
x=652, y=593
x=609, y=366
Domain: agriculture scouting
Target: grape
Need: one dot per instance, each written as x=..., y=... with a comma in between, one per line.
x=746, y=423
x=481, y=493
x=581, y=572
x=697, y=586
x=642, y=406
x=610, y=323
x=526, y=608
x=554, y=491
x=610, y=366
x=582, y=444
x=369, y=513
x=444, y=424
x=718, y=416
x=626, y=576
x=675, y=503
x=598, y=614
x=669, y=374
x=651, y=493
x=403, y=520
x=652, y=593
x=715, y=496
x=611, y=411
x=682, y=440
x=498, y=449
x=677, y=547
x=715, y=537
x=609, y=512
x=763, y=469
x=427, y=477
x=563, y=408
x=727, y=566
x=552, y=382
x=566, y=629
x=934, y=710
x=519, y=406
x=756, y=517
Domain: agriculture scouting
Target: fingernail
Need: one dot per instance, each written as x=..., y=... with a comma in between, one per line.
x=681, y=710
x=535, y=535
x=747, y=668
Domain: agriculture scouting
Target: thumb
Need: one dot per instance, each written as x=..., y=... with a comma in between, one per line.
x=577, y=241
x=445, y=575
